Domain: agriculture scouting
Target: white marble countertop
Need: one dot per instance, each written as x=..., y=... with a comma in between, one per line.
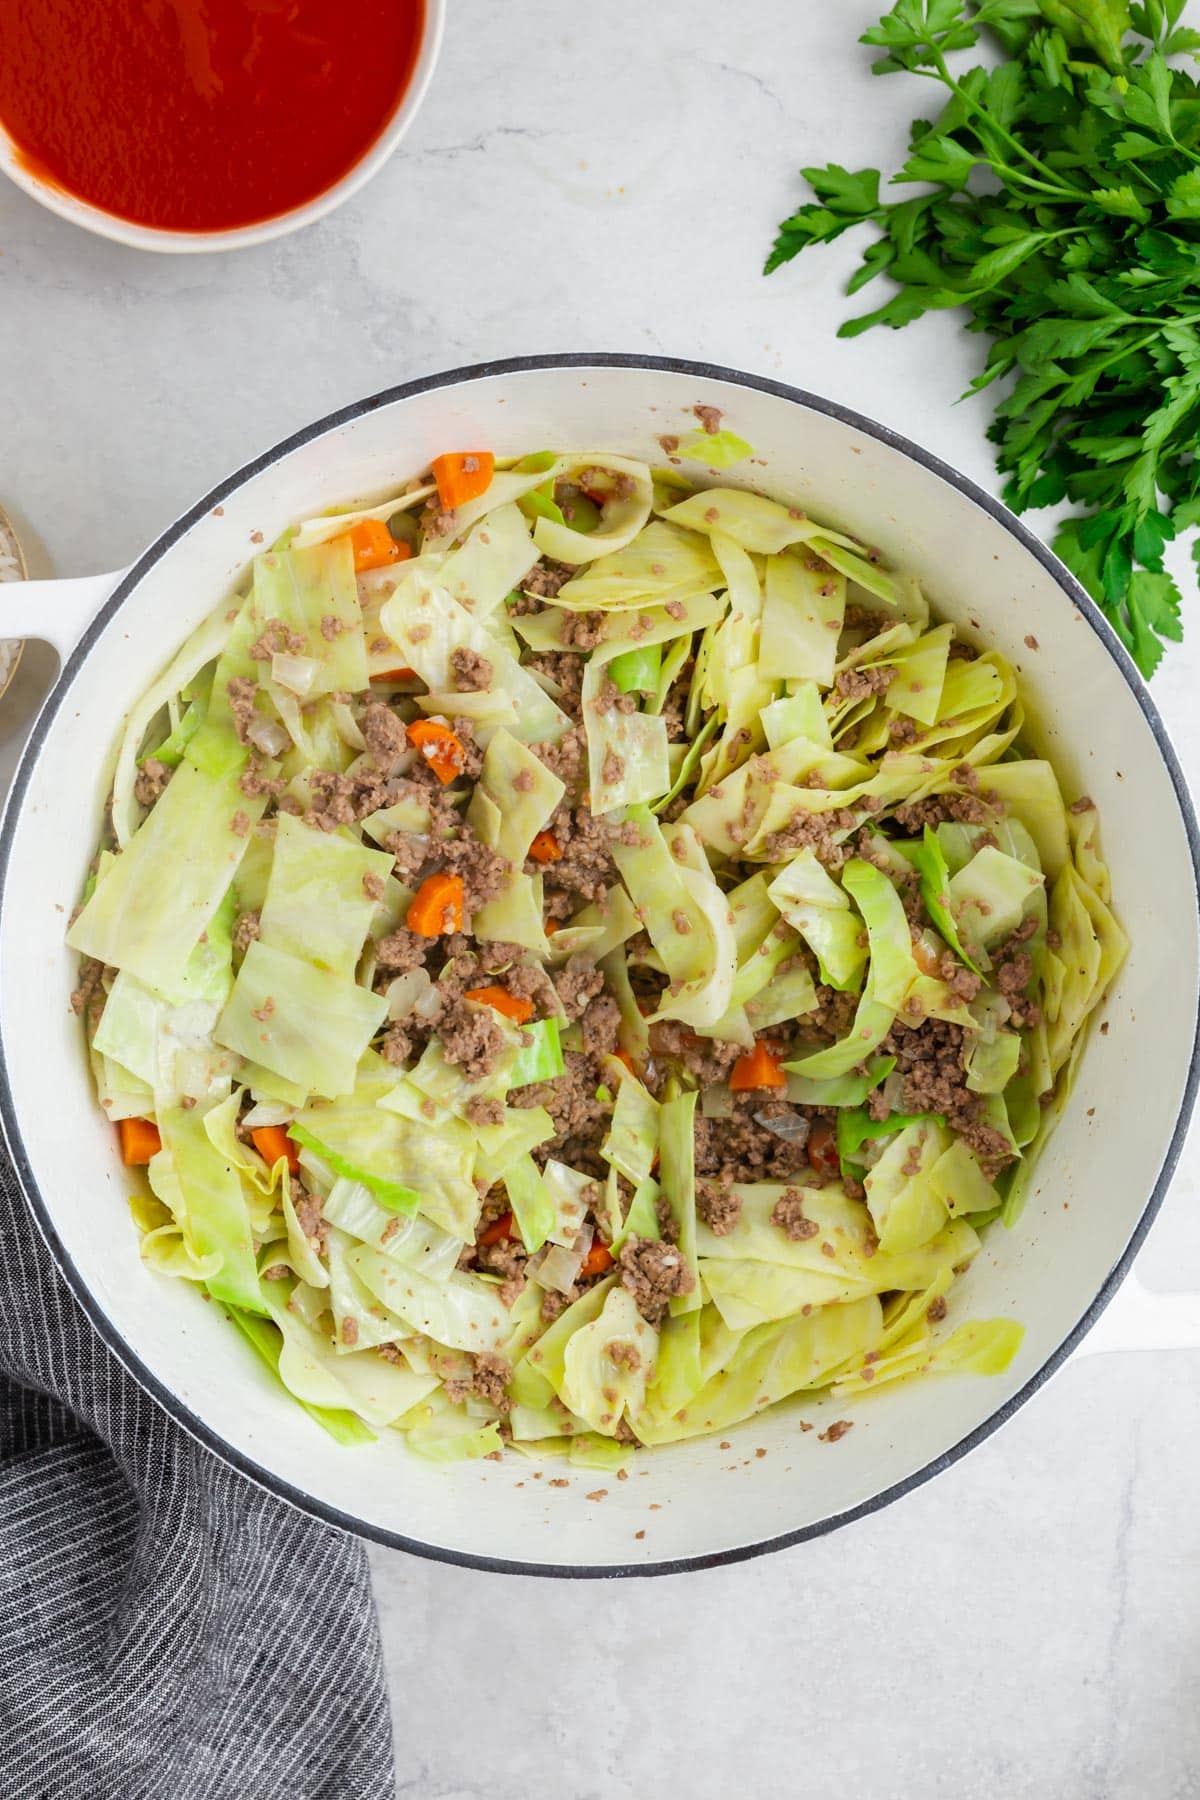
x=1027, y=1625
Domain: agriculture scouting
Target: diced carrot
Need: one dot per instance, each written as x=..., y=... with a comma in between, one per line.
x=374, y=546
x=272, y=1142
x=760, y=1068
x=442, y=748
x=514, y=1006
x=822, y=1148
x=437, y=906
x=598, y=1258
x=498, y=1229
x=545, y=848
x=395, y=675
x=462, y=475
x=623, y=1056
x=139, y=1140
x=551, y=926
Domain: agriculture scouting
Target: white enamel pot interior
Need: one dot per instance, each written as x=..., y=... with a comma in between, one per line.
x=1098, y=1185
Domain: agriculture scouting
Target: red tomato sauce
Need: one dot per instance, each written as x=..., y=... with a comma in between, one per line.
x=201, y=115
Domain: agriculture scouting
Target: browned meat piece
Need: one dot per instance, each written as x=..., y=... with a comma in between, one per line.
x=788, y=1214
x=577, y=983
x=863, y=684
x=483, y=872
x=245, y=930
x=242, y=695
x=471, y=1038
x=654, y=1273
x=484, y=1112
x=402, y=950
x=151, y=779
x=472, y=672
x=719, y=1206
x=277, y=639
x=601, y=1025
x=384, y=732
x=929, y=1062
x=546, y=578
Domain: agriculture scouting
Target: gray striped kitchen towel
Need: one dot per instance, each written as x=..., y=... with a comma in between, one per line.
x=167, y=1630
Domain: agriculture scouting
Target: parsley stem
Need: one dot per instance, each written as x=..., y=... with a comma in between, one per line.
x=1057, y=187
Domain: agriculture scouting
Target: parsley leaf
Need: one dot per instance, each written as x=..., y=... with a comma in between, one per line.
x=1060, y=208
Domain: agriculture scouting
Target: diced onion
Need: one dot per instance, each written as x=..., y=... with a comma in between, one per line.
x=407, y=992
x=268, y=1112
x=347, y=726
x=268, y=736
x=296, y=673
x=716, y=1103
x=793, y=1128
x=559, y=1268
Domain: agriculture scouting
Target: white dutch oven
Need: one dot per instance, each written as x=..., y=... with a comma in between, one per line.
x=1099, y=1184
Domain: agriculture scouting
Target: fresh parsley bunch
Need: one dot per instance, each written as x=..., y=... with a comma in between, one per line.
x=1065, y=217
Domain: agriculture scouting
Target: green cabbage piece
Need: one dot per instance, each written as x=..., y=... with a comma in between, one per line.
x=673, y=884
x=1029, y=791
x=991, y=1066
x=1092, y=949
x=842, y=1090
x=856, y=1127
x=762, y=526
x=538, y=1373
x=445, y=1440
x=406, y=1164
x=632, y=1142
x=799, y=714
x=344, y=1427
x=412, y=1240
x=597, y=1385
x=205, y=643
x=812, y=902
x=663, y=562
x=637, y=671
x=464, y=1313
x=523, y=792
x=989, y=895
x=980, y=1347
x=154, y=902
x=641, y=1220
x=427, y=626
x=540, y=1058
x=755, y=1293
x=916, y=689
x=307, y=1024
x=316, y=906
x=716, y=449
x=494, y=558
x=845, y=1225
x=306, y=589
x=677, y=1176
x=891, y=972
x=802, y=620
x=215, y=1220
x=770, y=1363
x=789, y=996
x=311, y=1368
x=930, y=863
x=959, y=1184
x=905, y=1206
x=532, y=1204
x=627, y=751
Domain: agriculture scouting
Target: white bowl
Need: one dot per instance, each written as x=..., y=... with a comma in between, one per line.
x=1099, y=1183
x=149, y=237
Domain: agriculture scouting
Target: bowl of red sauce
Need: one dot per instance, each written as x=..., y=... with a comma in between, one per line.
x=207, y=124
